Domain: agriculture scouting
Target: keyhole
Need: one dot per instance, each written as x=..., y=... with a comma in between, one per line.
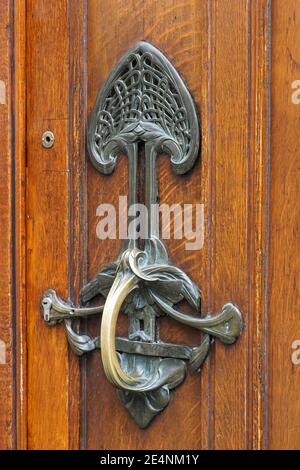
x=48, y=139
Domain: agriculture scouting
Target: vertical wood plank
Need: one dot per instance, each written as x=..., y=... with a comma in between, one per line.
x=13, y=414
x=19, y=145
x=180, y=30
x=112, y=27
x=258, y=199
x=47, y=220
x=7, y=279
x=284, y=303
x=77, y=201
x=229, y=208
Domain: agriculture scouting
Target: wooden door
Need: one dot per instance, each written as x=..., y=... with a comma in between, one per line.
x=240, y=60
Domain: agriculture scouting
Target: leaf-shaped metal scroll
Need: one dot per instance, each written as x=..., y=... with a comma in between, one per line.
x=145, y=99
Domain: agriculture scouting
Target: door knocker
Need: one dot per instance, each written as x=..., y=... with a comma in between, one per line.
x=144, y=100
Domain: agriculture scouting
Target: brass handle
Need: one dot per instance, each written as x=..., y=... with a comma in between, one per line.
x=125, y=282
x=121, y=288
x=226, y=325
x=168, y=371
x=144, y=102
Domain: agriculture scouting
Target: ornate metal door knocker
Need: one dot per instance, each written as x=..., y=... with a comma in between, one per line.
x=143, y=100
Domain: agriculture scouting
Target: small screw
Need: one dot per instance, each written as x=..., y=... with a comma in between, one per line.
x=48, y=139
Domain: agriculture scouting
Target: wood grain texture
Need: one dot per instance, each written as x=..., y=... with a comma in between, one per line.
x=284, y=271
x=47, y=221
x=259, y=43
x=13, y=413
x=77, y=197
x=176, y=29
x=19, y=139
x=246, y=395
x=239, y=203
x=7, y=280
x=230, y=264
x=220, y=49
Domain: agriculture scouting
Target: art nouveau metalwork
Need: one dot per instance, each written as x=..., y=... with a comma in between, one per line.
x=144, y=100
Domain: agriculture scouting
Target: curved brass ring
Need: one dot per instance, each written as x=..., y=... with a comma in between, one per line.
x=169, y=371
x=121, y=288
x=125, y=282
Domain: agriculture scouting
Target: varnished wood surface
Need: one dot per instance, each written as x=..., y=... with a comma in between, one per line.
x=194, y=36
x=48, y=245
x=257, y=223
x=284, y=269
x=77, y=200
x=19, y=146
x=209, y=43
x=7, y=370
x=230, y=209
x=180, y=39
x=13, y=413
x=246, y=396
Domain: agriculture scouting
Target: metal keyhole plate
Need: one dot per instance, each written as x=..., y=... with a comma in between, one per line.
x=48, y=139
